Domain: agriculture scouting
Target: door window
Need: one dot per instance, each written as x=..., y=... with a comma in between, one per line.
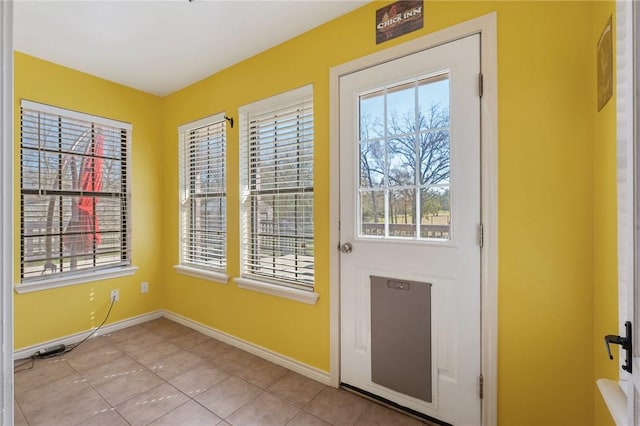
x=404, y=139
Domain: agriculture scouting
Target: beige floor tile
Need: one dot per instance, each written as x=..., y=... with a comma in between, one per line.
x=305, y=419
x=120, y=367
x=109, y=417
x=125, y=334
x=189, y=339
x=175, y=364
x=337, y=406
x=153, y=353
x=265, y=410
x=235, y=360
x=134, y=381
x=227, y=396
x=81, y=387
x=210, y=349
x=85, y=358
x=139, y=343
x=263, y=373
x=173, y=329
x=190, y=413
x=296, y=388
x=67, y=401
x=377, y=415
x=199, y=379
x=157, y=323
x=151, y=405
x=20, y=422
x=91, y=344
x=17, y=413
x=43, y=372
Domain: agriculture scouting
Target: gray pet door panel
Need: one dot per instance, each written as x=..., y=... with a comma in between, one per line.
x=401, y=336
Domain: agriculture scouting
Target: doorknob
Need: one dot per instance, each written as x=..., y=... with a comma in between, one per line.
x=626, y=343
x=346, y=248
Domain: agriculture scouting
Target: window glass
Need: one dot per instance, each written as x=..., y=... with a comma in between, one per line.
x=74, y=193
x=277, y=173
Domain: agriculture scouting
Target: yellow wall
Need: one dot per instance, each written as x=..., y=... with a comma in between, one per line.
x=51, y=314
x=546, y=97
x=605, y=230
x=551, y=193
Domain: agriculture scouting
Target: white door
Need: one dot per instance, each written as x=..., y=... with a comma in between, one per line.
x=627, y=354
x=409, y=231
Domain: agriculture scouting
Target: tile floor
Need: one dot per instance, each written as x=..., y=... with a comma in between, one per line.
x=162, y=373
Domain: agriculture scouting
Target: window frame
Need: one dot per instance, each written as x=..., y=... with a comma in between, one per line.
x=126, y=268
x=270, y=285
x=219, y=275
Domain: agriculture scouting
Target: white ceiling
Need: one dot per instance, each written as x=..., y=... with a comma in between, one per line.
x=162, y=46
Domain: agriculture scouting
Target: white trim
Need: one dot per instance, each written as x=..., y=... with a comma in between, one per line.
x=202, y=273
x=624, y=136
x=275, y=357
x=304, y=296
x=487, y=27
x=76, y=337
x=615, y=399
x=80, y=278
x=68, y=113
x=276, y=100
x=184, y=224
x=206, y=121
x=6, y=211
x=625, y=89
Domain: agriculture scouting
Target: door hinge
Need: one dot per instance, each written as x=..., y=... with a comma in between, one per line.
x=481, y=383
x=480, y=85
x=481, y=235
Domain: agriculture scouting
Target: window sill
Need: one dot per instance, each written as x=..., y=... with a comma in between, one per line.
x=308, y=297
x=615, y=398
x=202, y=273
x=81, y=278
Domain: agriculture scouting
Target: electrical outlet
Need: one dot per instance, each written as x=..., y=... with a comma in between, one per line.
x=144, y=287
x=115, y=295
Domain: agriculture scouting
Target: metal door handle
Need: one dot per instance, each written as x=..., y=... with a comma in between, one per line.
x=626, y=344
x=346, y=248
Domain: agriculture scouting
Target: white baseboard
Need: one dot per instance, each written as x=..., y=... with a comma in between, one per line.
x=282, y=360
x=26, y=352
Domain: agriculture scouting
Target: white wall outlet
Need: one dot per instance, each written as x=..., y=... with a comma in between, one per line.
x=115, y=295
x=144, y=287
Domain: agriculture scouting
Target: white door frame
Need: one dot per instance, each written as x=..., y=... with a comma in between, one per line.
x=486, y=26
x=6, y=211
x=626, y=104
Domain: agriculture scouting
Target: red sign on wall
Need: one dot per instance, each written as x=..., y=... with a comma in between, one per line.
x=399, y=18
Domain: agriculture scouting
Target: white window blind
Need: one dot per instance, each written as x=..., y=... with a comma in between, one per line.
x=74, y=193
x=277, y=178
x=204, y=198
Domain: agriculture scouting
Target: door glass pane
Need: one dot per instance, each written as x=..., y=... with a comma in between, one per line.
x=402, y=213
x=405, y=156
x=372, y=115
x=372, y=164
x=372, y=213
x=401, y=109
x=434, y=157
x=433, y=102
x=435, y=221
x=401, y=160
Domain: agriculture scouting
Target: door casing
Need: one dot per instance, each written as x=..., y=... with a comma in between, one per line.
x=486, y=26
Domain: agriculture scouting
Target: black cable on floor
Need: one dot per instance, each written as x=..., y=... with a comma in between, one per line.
x=32, y=360
x=67, y=349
